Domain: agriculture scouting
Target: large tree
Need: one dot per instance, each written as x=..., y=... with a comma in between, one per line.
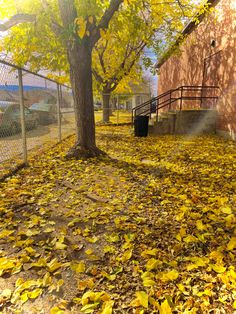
x=78, y=25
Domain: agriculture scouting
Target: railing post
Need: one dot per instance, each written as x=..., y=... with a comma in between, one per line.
x=22, y=117
x=157, y=109
x=181, y=98
x=59, y=112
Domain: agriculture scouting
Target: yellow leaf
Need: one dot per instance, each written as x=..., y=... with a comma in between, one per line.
x=89, y=308
x=107, y=307
x=92, y=240
x=5, y=233
x=24, y=297
x=35, y=293
x=126, y=256
x=152, y=263
x=89, y=251
x=165, y=308
x=60, y=246
x=217, y=256
x=200, y=225
x=56, y=310
x=19, y=282
x=47, y=280
x=30, y=250
x=218, y=268
x=82, y=285
x=53, y=265
x=142, y=297
x=207, y=292
x=232, y=244
x=198, y=262
x=234, y=305
x=152, y=252
x=78, y=267
x=109, y=249
x=226, y=210
x=59, y=284
x=29, y=284
x=169, y=276
x=182, y=232
x=91, y=296
x=31, y=233
x=114, y=237
x=109, y=277
x=41, y=263
x=190, y=239
x=178, y=237
x=148, y=282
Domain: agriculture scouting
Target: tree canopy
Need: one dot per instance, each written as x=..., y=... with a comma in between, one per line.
x=61, y=36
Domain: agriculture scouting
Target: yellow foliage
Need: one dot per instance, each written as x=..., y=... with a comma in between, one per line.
x=169, y=276
x=165, y=308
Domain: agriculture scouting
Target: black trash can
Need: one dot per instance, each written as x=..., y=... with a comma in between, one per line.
x=141, y=126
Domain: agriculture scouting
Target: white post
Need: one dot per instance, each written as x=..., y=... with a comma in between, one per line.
x=118, y=105
x=22, y=117
x=59, y=112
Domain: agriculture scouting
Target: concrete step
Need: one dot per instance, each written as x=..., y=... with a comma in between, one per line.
x=185, y=122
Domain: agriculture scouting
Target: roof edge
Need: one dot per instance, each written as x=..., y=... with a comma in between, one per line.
x=190, y=27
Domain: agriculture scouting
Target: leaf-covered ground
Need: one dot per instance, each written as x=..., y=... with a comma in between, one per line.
x=149, y=229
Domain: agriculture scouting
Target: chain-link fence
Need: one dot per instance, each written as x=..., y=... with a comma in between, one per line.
x=34, y=110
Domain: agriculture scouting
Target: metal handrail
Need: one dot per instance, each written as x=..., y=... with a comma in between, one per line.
x=171, y=100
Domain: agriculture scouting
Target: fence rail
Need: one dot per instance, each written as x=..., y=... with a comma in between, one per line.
x=34, y=110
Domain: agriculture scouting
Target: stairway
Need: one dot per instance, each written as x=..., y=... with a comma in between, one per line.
x=196, y=121
x=167, y=114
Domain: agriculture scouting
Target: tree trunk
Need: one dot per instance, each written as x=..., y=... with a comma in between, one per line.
x=106, y=106
x=80, y=60
x=79, y=53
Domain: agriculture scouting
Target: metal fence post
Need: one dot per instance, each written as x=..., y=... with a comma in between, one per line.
x=59, y=112
x=117, y=116
x=22, y=117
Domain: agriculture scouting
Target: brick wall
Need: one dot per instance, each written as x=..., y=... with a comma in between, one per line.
x=201, y=62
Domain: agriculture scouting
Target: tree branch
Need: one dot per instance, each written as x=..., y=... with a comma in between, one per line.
x=101, y=55
x=17, y=19
x=97, y=76
x=104, y=21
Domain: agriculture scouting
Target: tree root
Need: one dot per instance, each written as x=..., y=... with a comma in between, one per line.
x=79, y=152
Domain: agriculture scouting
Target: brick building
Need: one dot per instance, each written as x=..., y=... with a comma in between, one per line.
x=207, y=57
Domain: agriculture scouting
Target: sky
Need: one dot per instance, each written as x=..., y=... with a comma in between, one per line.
x=153, y=78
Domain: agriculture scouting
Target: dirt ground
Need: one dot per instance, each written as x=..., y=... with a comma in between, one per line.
x=149, y=228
